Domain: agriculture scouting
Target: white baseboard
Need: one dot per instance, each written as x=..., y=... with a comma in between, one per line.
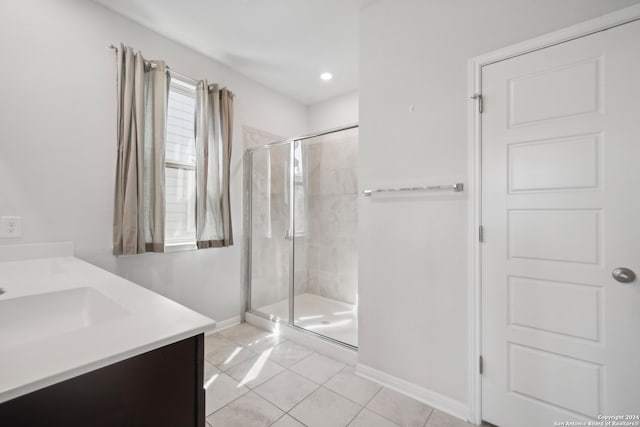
x=328, y=348
x=435, y=400
x=224, y=324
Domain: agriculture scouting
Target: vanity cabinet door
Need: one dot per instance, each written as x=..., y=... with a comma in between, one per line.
x=160, y=388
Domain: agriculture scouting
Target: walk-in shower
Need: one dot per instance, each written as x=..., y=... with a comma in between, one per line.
x=302, y=223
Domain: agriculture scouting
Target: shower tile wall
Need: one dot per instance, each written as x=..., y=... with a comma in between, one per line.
x=332, y=216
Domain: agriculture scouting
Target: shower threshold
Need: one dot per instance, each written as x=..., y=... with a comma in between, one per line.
x=324, y=316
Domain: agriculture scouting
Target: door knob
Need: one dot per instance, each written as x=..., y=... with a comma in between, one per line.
x=623, y=275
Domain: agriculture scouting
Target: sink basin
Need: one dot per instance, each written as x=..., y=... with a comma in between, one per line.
x=35, y=317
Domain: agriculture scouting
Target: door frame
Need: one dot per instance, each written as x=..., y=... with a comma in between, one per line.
x=605, y=22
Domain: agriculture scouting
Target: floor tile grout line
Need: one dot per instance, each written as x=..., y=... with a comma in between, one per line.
x=374, y=395
x=278, y=419
x=270, y=403
x=291, y=415
x=251, y=388
x=243, y=395
x=343, y=396
x=337, y=373
x=230, y=402
x=294, y=363
x=243, y=346
x=378, y=414
x=236, y=364
x=382, y=416
x=358, y=414
x=347, y=397
x=428, y=418
x=262, y=382
x=355, y=416
x=286, y=414
x=295, y=373
x=305, y=357
x=312, y=380
x=303, y=399
x=314, y=391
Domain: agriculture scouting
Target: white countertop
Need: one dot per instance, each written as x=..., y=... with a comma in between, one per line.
x=144, y=320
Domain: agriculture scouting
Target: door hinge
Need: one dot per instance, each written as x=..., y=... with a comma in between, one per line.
x=478, y=96
x=481, y=234
x=480, y=365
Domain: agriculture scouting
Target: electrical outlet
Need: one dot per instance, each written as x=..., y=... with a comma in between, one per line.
x=10, y=226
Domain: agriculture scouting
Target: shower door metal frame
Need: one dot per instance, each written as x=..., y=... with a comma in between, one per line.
x=248, y=163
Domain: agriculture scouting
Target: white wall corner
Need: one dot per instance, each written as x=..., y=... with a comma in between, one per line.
x=435, y=400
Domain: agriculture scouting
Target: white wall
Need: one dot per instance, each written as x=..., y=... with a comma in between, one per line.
x=413, y=251
x=58, y=141
x=335, y=112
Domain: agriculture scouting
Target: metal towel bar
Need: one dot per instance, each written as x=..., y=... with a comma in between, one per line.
x=455, y=187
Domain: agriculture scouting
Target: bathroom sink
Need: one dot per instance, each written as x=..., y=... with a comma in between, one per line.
x=35, y=317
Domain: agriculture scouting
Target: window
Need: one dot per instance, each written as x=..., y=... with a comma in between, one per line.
x=180, y=164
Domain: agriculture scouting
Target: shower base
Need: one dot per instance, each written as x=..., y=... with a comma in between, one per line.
x=331, y=318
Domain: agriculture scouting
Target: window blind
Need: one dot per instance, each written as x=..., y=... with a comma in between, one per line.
x=180, y=164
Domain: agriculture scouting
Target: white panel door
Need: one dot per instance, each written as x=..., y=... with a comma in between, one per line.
x=561, y=211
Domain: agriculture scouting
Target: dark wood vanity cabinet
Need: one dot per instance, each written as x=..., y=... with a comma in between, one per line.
x=160, y=388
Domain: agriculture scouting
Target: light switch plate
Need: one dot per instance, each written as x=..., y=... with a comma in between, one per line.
x=10, y=226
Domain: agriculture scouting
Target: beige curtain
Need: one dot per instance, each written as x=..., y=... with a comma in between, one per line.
x=143, y=88
x=214, y=135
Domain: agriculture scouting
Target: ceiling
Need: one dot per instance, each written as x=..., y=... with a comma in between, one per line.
x=283, y=44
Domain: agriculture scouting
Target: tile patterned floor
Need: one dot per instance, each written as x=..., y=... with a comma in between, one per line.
x=254, y=378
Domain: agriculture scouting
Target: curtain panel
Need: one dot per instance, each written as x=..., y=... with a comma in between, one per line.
x=139, y=212
x=214, y=135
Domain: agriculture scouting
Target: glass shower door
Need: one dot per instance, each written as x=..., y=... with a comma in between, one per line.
x=269, y=219
x=325, y=197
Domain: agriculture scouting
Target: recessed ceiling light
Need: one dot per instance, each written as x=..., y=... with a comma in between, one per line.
x=326, y=76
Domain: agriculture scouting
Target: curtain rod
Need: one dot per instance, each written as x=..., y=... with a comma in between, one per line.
x=180, y=75
x=151, y=64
